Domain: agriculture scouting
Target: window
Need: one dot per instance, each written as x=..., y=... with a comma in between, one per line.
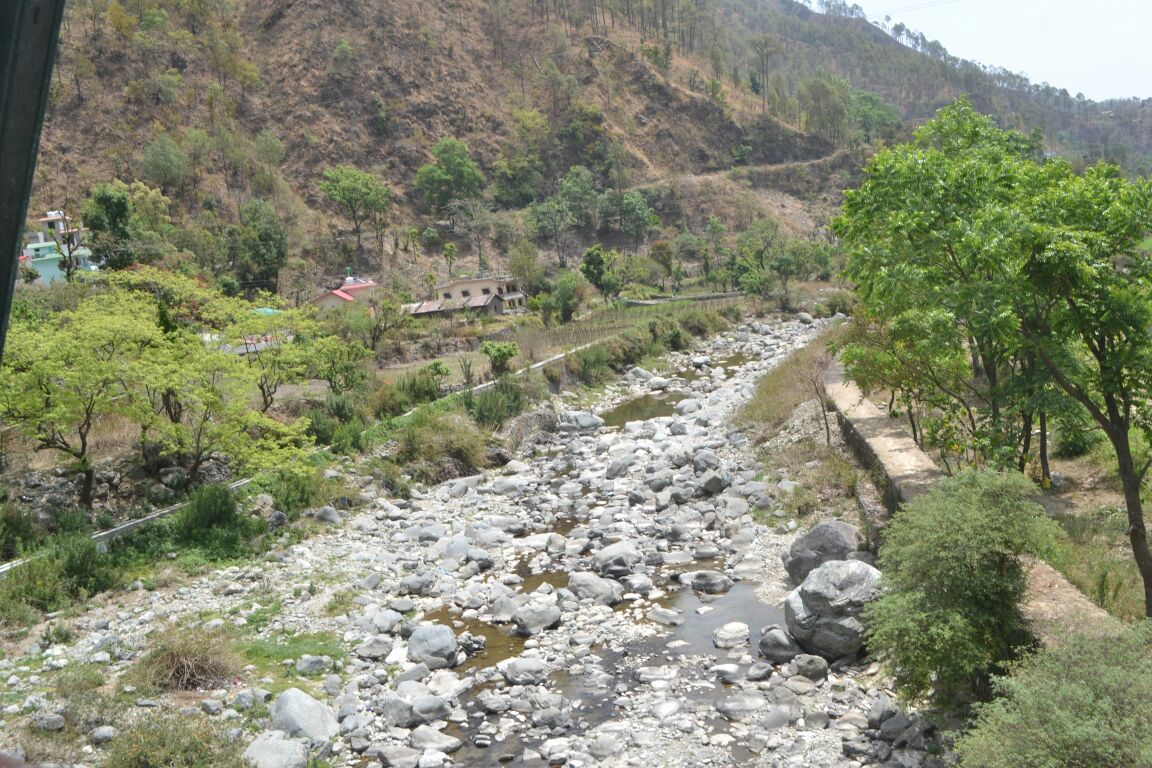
x=500, y=290
x=447, y=295
x=485, y=291
x=465, y=294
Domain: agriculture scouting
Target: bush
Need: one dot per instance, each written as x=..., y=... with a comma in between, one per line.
x=321, y=426
x=702, y=322
x=438, y=446
x=348, y=439
x=390, y=400
x=209, y=507
x=293, y=489
x=951, y=563
x=36, y=584
x=83, y=569
x=187, y=661
x=174, y=742
x=668, y=334
x=844, y=302
x=495, y=405
x=500, y=354
x=733, y=313
x=420, y=387
x=18, y=532
x=1075, y=440
x=1080, y=704
x=589, y=365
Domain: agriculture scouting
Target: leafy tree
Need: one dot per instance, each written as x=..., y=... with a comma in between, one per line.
x=627, y=212
x=553, y=219
x=356, y=194
x=599, y=268
x=274, y=346
x=579, y=193
x=499, y=354
x=472, y=218
x=60, y=378
x=108, y=214
x=663, y=252
x=164, y=163
x=524, y=264
x=1072, y=705
x=954, y=580
x=258, y=246
x=453, y=176
x=566, y=297
x=449, y=254
x=373, y=317
x=338, y=363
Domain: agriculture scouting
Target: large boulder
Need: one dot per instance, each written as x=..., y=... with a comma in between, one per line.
x=829, y=540
x=617, y=559
x=777, y=645
x=434, y=645
x=298, y=714
x=271, y=750
x=533, y=619
x=589, y=586
x=823, y=612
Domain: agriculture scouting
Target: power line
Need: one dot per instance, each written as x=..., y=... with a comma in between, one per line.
x=916, y=7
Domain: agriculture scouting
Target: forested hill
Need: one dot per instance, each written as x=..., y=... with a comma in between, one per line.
x=234, y=109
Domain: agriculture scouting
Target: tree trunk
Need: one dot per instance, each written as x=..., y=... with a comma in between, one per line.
x=1045, y=470
x=1137, y=533
x=1026, y=441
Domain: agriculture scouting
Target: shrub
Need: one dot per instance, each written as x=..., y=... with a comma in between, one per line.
x=500, y=354
x=495, y=405
x=844, y=302
x=18, y=531
x=83, y=569
x=438, y=446
x=294, y=488
x=174, y=742
x=348, y=439
x=389, y=400
x=420, y=387
x=951, y=564
x=668, y=334
x=1075, y=440
x=321, y=426
x=589, y=365
x=1079, y=704
x=702, y=322
x=187, y=661
x=210, y=506
x=733, y=313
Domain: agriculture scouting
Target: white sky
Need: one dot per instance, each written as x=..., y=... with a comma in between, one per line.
x=1102, y=48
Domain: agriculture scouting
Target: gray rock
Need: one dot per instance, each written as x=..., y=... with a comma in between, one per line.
x=327, y=514
x=271, y=750
x=822, y=613
x=589, y=586
x=713, y=483
x=829, y=540
x=640, y=374
x=778, y=646
x=47, y=721
x=396, y=711
x=730, y=635
x=298, y=714
x=741, y=706
x=103, y=734
x=815, y=668
x=708, y=582
x=377, y=647
x=429, y=707
x=616, y=559
x=581, y=420
x=882, y=709
x=704, y=460
x=312, y=665
x=619, y=467
x=534, y=618
x=426, y=737
x=395, y=755
x=523, y=671
x=433, y=645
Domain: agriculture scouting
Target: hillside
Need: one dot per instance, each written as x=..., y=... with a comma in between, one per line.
x=765, y=109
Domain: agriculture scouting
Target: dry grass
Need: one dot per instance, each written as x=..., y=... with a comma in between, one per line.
x=189, y=660
x=792, y=382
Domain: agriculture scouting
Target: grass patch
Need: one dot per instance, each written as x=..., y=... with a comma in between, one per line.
x=341, y=603
x=175, y=742
x=792, y=382
x=185, y=661
x=269, y=653
x=1096, y=558
x=825, y=479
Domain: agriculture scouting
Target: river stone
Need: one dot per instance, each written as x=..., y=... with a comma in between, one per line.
x=313, y=665
x=102, y=734
x=434, y=645
x=534, y=618
x=271, y=750
x=429, y=707
x=713, y=483
x=829, y=540
x=298, y=714
x=732, y=634
x=395, y=711
x=822, y=613
x=396, y=756
x=704, y=460
x=815, y=668
x=523, y=671
x=778, y=646
x=616, y=559
x=708, y=582
x=589, y=586
x=741, y=706
x=427, y=737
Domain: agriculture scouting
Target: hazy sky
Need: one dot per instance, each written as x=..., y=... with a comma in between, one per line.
x=1102, y=48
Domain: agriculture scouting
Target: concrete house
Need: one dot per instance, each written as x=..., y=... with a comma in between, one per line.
x=494, y=295
x=345, y=294
x=42, y=253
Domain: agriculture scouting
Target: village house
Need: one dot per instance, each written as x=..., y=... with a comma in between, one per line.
x=494, y=295
x=345, y=294
x=42, y=252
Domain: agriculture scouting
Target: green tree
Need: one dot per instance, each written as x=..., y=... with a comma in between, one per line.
x=663, y=252
x=274, y=345
x=339, y=363
x=950, y=615
x=599, y=268
x=566, y=297
x=356, y=194
x=449, y=254
x=453, y=176
x=579, y=193
x=553, y=219
x=164, y=163
x=258, y=245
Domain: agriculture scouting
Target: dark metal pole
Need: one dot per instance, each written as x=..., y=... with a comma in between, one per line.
x=28, y=33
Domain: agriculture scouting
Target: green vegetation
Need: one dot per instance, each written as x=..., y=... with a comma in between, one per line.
x=998, y=289
x=950, y=616
x=1069, y=706
x=175, y=741
x=794, y=380
x=187, y=661
x=499, y=353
